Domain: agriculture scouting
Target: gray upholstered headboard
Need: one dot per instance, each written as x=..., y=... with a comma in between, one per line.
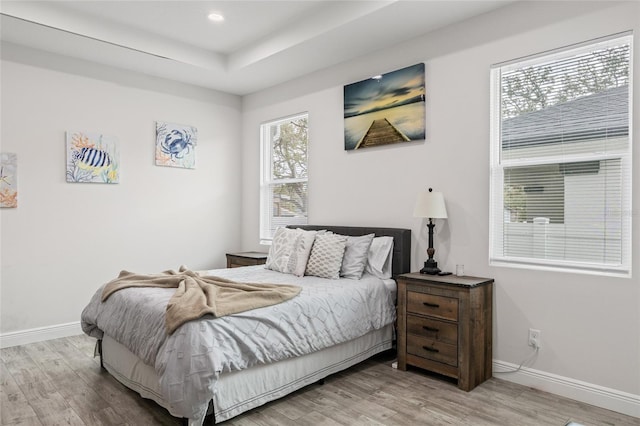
x=401, y=241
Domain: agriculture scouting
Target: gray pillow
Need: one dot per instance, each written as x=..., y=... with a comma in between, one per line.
x=326, y=256
x=355, y=256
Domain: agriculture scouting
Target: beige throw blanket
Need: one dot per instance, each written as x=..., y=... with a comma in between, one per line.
x=197, y=295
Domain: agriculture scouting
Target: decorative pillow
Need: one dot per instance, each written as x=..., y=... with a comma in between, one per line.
x=326, y=256
x=300, y=252
x=380, y=257
x=355, y=256
x=281, y=248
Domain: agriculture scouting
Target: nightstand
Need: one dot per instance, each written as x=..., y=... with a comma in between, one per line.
x=445, y=326
x=246, y=258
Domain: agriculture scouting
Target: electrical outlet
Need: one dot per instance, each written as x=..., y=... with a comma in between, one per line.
x=535, y=338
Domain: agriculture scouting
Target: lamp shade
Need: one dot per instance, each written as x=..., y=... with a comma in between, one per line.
x=430, y=204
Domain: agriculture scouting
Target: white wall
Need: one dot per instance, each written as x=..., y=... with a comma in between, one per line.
x=66, y=239
x=590, y=325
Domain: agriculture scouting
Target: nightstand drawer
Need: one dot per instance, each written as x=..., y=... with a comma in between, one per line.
x=432, y=305
x=247, y=258
x=431, y=328
x=242, y=261
x=432, y=349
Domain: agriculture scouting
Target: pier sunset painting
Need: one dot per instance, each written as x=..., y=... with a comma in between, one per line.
x=385, y=109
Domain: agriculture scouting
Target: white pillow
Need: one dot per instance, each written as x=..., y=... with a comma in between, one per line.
x=380, y=258
x=300, y=252
x=326, y=256
x=355, y=256
x=281, y=248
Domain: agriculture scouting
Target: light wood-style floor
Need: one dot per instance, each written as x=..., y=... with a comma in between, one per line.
x=59, y=382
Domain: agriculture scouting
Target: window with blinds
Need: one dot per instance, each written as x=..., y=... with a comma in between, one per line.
x=561, y=159
x=283, y=182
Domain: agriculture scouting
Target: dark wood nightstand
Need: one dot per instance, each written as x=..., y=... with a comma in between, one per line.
x=247, y=258
x=445, y=326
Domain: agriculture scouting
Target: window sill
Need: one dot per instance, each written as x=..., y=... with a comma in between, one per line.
x=622, y=272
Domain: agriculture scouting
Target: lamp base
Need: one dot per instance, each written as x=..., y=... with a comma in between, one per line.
x=430, y=267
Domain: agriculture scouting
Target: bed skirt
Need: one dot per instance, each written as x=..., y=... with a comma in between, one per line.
x=240, y=391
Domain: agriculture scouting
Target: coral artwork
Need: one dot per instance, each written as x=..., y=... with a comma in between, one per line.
x=8, y=180
x=176, y=145
x=92, y=158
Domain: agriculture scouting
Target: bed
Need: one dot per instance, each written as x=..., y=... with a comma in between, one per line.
x=225, y=382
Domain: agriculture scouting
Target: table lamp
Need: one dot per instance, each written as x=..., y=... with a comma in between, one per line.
x=431, y=205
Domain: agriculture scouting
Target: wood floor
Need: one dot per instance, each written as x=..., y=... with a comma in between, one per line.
x=59, y=382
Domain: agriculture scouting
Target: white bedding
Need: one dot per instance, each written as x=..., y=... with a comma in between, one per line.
x=188, y=363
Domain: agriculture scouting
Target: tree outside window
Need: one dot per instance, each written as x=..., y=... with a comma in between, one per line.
x=284, y=174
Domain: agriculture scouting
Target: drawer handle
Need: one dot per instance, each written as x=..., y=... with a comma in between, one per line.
x=435, y=330
x=427, y=348
x=431, y=305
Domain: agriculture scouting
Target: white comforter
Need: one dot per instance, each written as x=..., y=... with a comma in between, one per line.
x=188, y=362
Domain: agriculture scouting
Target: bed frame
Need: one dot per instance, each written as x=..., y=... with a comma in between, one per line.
x=142, y=378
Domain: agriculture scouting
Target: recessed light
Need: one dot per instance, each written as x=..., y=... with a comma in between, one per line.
x=216, y=17
x=377, y=77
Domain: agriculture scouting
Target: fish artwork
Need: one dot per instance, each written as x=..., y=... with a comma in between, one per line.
x=92, y=158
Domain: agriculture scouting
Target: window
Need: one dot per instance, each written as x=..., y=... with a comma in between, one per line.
x=561, y=159
x=283, y=184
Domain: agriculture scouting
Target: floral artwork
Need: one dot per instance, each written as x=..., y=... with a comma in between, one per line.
x=8, y=180
x=175, y=145
x=92, y=158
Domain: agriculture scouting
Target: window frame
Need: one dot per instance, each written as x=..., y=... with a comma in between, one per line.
x=267, y=181
x=498, y=165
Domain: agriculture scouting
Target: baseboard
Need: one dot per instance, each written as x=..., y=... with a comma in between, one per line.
x=32, y=335
x=611, y=399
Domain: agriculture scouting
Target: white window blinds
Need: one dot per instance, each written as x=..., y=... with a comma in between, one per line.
x=561, y=159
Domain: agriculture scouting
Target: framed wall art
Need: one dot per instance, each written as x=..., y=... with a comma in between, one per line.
x=385, y=109
x=92, y=158
x=176, y=145
x=8, y=180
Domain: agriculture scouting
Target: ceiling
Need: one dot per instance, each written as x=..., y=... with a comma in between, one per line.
x=259, y=44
